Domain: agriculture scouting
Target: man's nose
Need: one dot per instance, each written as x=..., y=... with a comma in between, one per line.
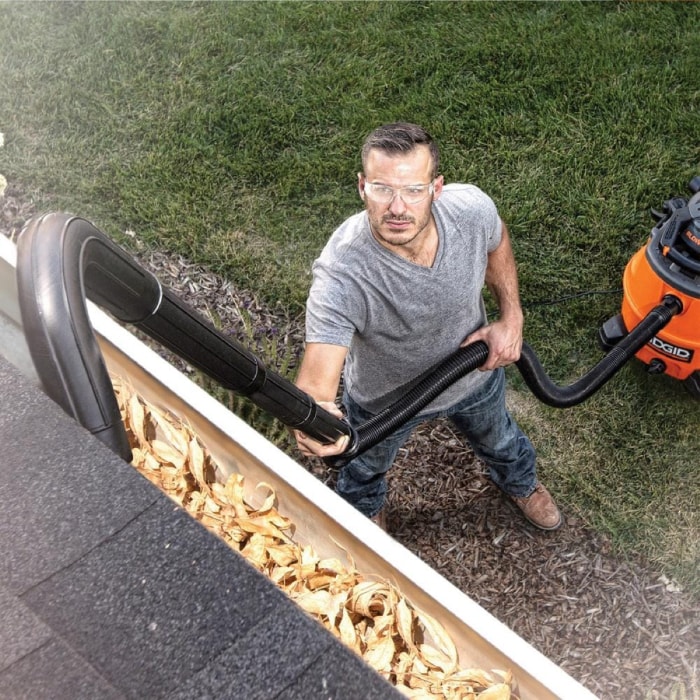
x=397, y=205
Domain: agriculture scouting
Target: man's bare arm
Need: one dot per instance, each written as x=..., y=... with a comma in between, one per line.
x=504, y=336
x=319, y=376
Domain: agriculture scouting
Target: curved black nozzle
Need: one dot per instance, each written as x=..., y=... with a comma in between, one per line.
x=64, y=259
x=468, y=358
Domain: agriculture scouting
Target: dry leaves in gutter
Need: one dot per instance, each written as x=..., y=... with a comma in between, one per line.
x=405, y=645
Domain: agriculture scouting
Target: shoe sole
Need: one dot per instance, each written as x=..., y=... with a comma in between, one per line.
x=552, y=528
x=519, y=510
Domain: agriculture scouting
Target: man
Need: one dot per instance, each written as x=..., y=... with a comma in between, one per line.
x=397, y=288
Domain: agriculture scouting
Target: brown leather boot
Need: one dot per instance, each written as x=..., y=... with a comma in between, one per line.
x=539, y=508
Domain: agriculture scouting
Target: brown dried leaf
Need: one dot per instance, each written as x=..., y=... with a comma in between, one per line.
x=308, y=562
x=281, y=575
x=404, y=623
x=347, y=631
x=196, y=459
x=218, y=491
x=384, y=624
x=150, y=462
x=380, y=655
x=283, y=554
x=255, y=550
x=234, y=495
x=474, y=676
x=138, y=457
x=331, y=566
x=444, y=644
x=136, y=418
x=402, y=664
x=499, y=691
x=507, y=675
x=317, y=580
x=435, y=658
x=172, y=480
x=196, y=502
x=270, y=499
x=235, y=534
x=263, y=526
x=167, y=454
x=316, y=602
x=177, y=437
x=371, y=598
x=418, y=678
x=211, y=504
x=419, y=668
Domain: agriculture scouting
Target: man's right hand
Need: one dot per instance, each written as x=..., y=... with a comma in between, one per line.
x=312, y=448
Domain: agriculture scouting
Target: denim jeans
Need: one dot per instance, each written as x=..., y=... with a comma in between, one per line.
x=481, y=418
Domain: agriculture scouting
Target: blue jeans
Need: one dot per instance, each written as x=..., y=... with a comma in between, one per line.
x=481, y=418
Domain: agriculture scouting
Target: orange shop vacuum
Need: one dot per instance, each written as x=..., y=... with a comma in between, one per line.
x=668, y=265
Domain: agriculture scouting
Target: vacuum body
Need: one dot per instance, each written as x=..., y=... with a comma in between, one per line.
x=676, y=350
x=668, y=264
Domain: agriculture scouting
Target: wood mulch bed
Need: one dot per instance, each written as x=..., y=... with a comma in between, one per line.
x=615, y=625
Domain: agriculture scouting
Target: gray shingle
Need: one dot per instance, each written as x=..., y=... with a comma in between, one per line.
x=62, y=491
x=338, y=675
x=54, y=672
x=162, y=590
x=27, y=630
x=285, y=657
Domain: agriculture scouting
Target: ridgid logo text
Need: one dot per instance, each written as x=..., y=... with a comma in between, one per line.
x=674, y=351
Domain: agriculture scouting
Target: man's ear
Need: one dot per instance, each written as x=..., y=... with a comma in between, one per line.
x=437, y=187
x=361, y=185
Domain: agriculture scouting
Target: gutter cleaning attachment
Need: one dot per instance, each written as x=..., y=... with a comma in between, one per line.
x=63, y=259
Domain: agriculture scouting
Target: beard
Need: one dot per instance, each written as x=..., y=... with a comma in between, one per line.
x=398, y=231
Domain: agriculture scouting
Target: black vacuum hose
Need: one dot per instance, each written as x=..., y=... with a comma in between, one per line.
x=564, y=397
x=367, y=435
x=62, y=259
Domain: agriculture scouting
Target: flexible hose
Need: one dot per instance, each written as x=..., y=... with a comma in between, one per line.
x=564, y=397
x=470, y=357
x=367, y=435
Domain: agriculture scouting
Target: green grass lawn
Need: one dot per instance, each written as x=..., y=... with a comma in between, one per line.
x=230, y=132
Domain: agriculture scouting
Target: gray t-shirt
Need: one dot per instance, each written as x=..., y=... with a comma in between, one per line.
x=399, y=319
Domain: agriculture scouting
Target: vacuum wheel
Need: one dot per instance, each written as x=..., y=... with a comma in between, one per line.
x=692, y=384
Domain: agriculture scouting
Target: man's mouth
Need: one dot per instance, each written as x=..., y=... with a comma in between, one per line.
x=398, y=223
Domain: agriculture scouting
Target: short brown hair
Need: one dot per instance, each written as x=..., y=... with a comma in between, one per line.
x=401, y=137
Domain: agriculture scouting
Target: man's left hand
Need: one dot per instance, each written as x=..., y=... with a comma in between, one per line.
x=505, y=341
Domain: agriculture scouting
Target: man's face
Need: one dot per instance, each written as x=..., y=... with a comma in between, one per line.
x=397, y=223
